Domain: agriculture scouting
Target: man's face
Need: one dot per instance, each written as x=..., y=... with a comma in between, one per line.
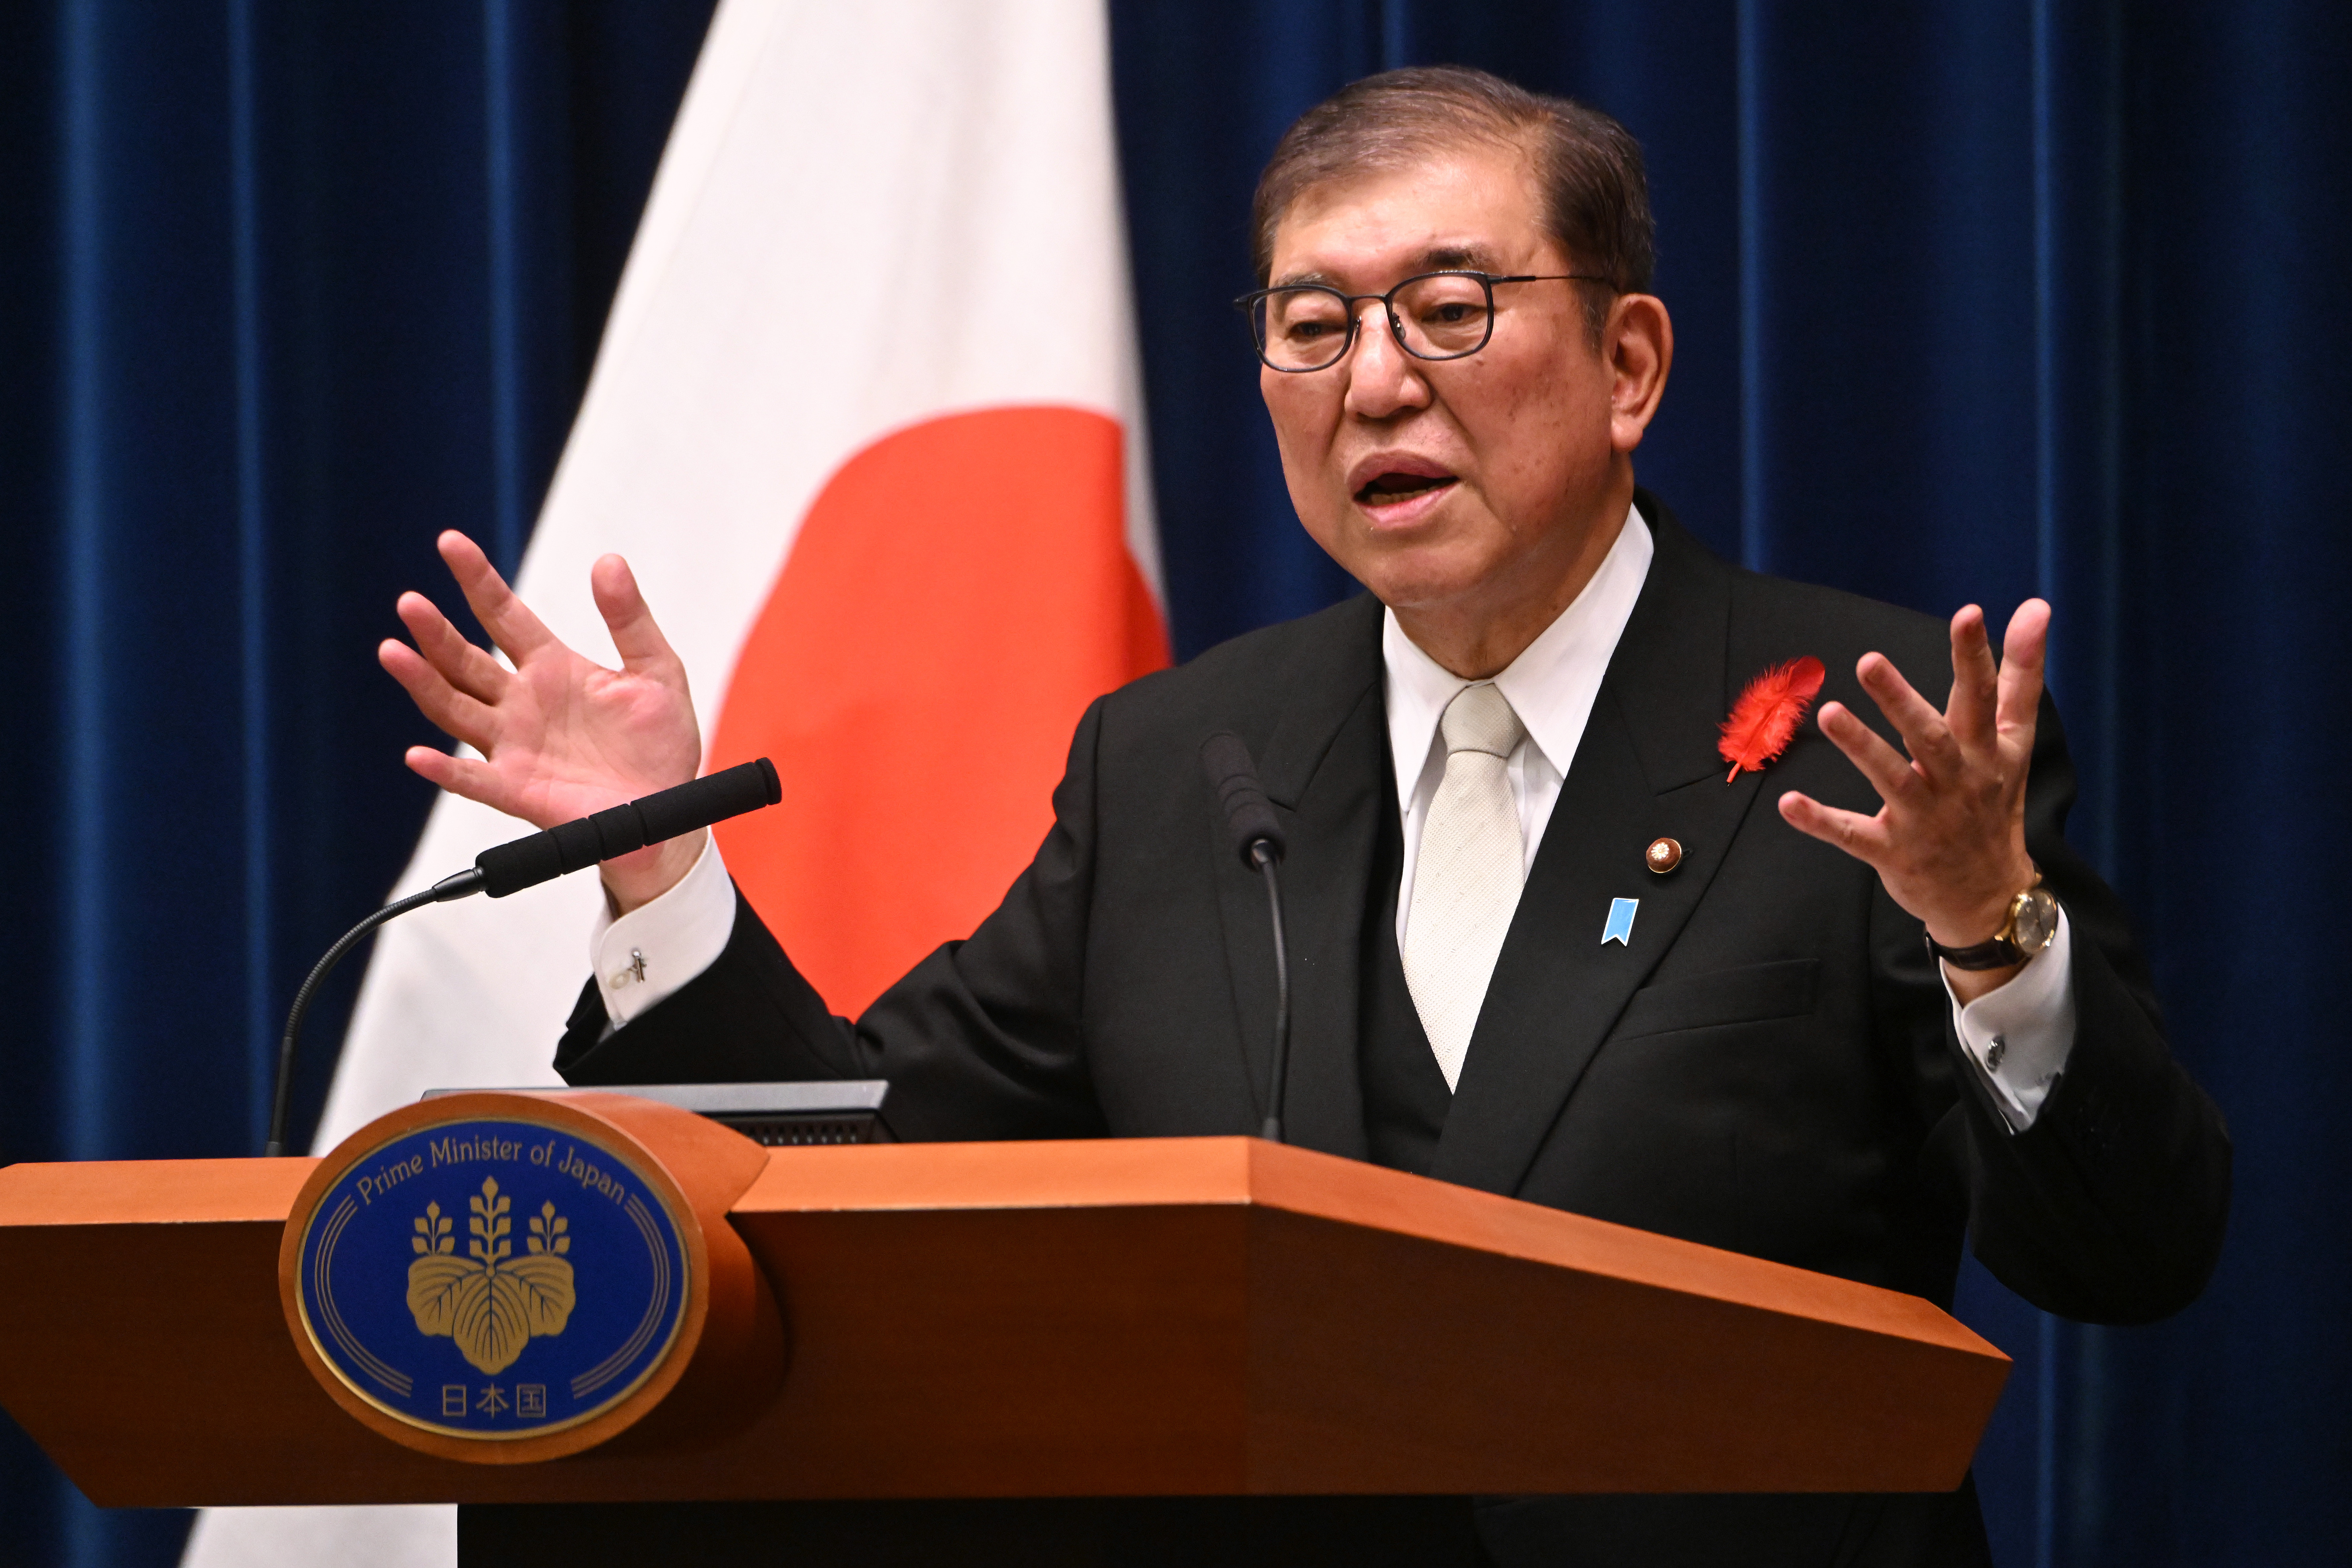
x=1453, y=486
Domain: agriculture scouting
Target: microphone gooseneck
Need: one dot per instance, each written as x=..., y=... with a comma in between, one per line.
x=534, y=859
x=463, y=884
x=1257, y=838
x=1263, y=854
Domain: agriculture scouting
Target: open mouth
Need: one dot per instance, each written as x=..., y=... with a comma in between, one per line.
x=1389, y=487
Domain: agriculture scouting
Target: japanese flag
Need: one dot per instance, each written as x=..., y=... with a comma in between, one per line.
x=865, y=422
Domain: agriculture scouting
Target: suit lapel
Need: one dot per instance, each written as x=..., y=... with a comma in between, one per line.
x=1322, y=762
x=1647, y=767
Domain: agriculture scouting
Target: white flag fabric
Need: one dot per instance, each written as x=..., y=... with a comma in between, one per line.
x=867, y=423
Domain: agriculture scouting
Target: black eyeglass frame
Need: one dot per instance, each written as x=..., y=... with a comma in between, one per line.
x=1247, y=305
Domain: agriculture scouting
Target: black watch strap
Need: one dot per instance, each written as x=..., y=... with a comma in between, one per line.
x=1998, y=953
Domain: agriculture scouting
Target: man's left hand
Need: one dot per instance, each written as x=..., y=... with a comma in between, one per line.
x=1950, y=842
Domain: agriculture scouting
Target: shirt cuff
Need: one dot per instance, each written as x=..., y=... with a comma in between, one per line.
x=657, y=947
x=2020, y=1035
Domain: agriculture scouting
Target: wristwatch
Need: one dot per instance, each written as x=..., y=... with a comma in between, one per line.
x=2032, y=921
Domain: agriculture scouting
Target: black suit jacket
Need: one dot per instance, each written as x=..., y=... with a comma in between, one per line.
x=1769, y=1066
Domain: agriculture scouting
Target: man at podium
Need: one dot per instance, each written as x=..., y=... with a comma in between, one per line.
x=1589, y=905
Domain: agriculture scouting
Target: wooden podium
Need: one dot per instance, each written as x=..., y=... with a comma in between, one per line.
x=1143, y=1317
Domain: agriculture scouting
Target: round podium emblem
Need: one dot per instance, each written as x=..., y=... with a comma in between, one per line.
x=492, y=1278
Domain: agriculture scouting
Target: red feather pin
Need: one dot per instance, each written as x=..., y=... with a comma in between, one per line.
x=1765, y=719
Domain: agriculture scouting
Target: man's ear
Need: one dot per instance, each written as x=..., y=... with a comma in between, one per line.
x=1639, y=340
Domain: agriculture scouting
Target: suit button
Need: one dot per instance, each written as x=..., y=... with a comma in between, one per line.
x=1663, y=856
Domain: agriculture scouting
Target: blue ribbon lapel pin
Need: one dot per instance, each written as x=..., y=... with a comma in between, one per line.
x=1620, y=929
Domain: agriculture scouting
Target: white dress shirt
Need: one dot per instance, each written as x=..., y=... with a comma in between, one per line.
x=2018, y=1036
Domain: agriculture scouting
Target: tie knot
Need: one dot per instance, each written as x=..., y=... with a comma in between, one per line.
x=1479, y=719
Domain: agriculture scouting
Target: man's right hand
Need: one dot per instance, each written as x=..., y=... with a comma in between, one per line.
x=560, y=736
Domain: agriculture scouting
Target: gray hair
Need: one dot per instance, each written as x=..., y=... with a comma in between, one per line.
x=1595, y=195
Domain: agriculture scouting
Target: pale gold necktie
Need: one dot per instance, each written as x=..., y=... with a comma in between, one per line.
x=1466, y=881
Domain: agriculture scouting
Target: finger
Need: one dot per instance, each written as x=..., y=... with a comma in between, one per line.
x=464, y=666
x=467, y=776
x=506, y=618
x=635, y=637
x=1888, y=770
x=2024, y=655
x=1864, y=837
x=1969, y=713
x=455, y=713
x=1925, y=734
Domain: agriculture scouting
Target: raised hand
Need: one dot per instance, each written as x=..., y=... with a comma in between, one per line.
x=560, y=734
x=1949, y=840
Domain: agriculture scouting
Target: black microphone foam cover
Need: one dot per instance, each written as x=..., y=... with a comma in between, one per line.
x=664, y=814
x=1249, y=816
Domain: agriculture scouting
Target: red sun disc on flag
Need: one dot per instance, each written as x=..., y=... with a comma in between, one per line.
x=957, y=594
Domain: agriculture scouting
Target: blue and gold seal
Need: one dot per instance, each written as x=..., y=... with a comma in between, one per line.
x=492, y=1277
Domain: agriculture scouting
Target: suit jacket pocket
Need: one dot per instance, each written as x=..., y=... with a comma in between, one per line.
x=1749, y=995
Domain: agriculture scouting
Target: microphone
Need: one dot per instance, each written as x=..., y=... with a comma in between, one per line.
x=539, y=858
x=1257, y=838
x=664, y=814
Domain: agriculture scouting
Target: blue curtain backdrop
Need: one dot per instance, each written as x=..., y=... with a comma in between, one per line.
x=1973, y=301
x=285, y=289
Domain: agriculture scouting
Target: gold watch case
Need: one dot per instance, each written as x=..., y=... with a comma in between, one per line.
x=2032, y=919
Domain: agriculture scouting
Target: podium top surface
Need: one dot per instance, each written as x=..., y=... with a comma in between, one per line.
x=150, y=1191
x=1159, y=1173
x=1097, y=1173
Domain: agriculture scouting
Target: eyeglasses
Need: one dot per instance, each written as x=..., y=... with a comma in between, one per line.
x=1434, y=316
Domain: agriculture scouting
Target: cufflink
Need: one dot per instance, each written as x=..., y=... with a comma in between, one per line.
x=632, y=969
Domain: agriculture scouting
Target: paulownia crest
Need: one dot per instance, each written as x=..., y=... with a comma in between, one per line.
x=489, y=1302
